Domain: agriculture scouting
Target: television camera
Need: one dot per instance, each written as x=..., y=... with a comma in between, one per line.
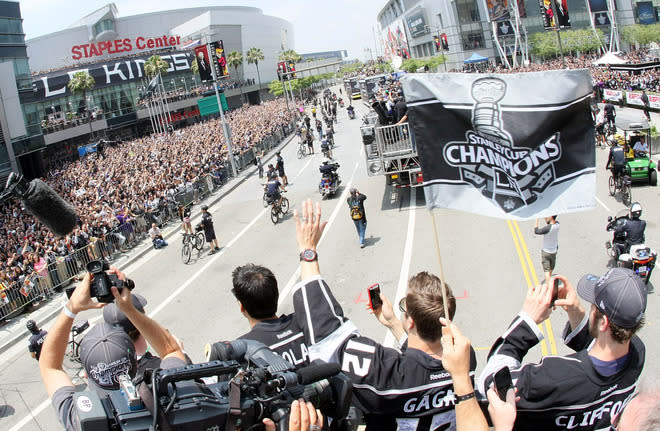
x=245, y=383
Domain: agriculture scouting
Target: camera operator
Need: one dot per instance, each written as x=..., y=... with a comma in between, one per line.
x=409, y=390
x=255, y=289
x=58, y=384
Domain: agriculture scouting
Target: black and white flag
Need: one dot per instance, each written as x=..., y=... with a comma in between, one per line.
x=504, y=145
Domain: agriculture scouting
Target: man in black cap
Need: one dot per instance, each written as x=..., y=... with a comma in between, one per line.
x=36, y=339
x=587, y=389
x=115, y=317
x=209, y=231
x=106, y=352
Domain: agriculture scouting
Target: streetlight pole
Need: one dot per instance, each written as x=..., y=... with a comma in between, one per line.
x=225, y=126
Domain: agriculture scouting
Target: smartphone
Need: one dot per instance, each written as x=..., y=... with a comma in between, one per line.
x=374, y=296
x=503, y=382
x=555, y=290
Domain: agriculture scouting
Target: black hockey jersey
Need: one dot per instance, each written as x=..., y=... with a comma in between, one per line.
x=408, y=389
x=562, y=392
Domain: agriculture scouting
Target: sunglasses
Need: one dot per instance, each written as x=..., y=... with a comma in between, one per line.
x=402, y=305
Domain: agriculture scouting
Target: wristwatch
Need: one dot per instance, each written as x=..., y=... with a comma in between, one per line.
x=308, y=255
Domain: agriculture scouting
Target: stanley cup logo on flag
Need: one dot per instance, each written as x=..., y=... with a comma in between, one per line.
x=504, y=145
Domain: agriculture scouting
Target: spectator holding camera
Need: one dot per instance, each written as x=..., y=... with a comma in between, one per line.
x=410, y=389
x=587, y=389
x=105, y=351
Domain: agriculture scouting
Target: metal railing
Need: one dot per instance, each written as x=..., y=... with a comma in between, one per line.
x=60, y=271
x=394, y=140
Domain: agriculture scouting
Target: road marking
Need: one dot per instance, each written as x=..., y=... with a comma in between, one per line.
x=603, y=205
x=405, y=263
x=32, y=416
x=549, y=332
x=516, y=242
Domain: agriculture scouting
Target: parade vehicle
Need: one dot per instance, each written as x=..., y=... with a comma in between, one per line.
x=641, y=168
x=371, y=85
x=352, y=87
x=389, y=149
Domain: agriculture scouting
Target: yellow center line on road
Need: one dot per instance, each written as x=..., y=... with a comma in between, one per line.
x=549, y=332
x=517, y=239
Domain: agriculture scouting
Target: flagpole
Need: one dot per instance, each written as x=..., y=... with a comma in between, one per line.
x=440, y=271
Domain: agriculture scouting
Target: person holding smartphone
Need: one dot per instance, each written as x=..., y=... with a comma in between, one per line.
x=587, y=389
x=395, y=389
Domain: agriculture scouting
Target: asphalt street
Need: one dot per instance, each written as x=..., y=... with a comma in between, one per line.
x=489, y=264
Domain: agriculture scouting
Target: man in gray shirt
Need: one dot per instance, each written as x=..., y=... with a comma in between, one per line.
x=550, y=234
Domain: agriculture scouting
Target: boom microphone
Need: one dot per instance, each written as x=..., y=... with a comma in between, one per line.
x=43, y=203
x=315, y=372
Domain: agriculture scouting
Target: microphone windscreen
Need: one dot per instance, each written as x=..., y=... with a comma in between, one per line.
x=49, y=208
x=314, y=373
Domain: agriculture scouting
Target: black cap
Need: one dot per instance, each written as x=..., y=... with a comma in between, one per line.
x=204, y=207
x=114, y=316
x=107, y=352
x=619, y=294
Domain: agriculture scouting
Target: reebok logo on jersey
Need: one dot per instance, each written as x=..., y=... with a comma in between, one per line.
x=607, y=391
x=438, y=376
x=284, y=334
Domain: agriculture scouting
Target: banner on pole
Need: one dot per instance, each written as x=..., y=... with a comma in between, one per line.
x=503, y=145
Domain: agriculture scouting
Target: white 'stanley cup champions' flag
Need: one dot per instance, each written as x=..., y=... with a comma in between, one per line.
x=504, y=145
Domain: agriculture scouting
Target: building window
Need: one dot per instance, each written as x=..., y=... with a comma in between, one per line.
x=11, y=26
x=105, y=25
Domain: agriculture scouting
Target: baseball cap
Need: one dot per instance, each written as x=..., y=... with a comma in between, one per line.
x=114, y=316
x=107, y=352
x=204, y=207
x=353, y=190
x=619, y=294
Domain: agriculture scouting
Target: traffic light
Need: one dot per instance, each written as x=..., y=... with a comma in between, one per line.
x=436, y=40
x=445, y=43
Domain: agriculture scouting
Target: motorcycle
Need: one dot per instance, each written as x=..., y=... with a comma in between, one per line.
x=640, y=258
x=329, y=183
x=351, y=113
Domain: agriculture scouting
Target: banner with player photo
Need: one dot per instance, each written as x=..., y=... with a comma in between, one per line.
x=548, y=13
x=498, y=10
x=503, y=145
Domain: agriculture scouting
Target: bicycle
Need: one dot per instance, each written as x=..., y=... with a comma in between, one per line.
x=72, y=355
x=622, y=183
x=191, y=241
x=302, y=151
x=278, y=210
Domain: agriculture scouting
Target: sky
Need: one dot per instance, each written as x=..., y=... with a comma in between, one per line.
x=318, y=25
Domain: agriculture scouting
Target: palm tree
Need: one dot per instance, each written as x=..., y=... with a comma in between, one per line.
x=290, y=55
x=81, y=83
x=235, y=60
x=155, y=65
x=254, y=56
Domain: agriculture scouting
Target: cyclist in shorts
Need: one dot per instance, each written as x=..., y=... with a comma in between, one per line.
x=273, y=187
x=616, y=162
x=600, y=127
x=184, y=215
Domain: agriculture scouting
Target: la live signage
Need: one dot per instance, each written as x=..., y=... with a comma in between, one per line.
x=126, y=45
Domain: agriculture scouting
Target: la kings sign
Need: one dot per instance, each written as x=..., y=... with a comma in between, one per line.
x=504, y=145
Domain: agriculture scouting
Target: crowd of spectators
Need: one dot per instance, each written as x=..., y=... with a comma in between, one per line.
x=123, y=181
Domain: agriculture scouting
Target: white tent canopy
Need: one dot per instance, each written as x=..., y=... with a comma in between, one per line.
x=609, y=58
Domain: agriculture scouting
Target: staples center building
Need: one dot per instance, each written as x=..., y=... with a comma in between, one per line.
x=113, y=51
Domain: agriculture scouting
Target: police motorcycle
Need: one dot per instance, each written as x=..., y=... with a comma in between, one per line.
x=640, y=258
x=351, y=112
x=330, y=180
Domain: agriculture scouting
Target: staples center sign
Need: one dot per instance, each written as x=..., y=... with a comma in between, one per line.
x=116, y=46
